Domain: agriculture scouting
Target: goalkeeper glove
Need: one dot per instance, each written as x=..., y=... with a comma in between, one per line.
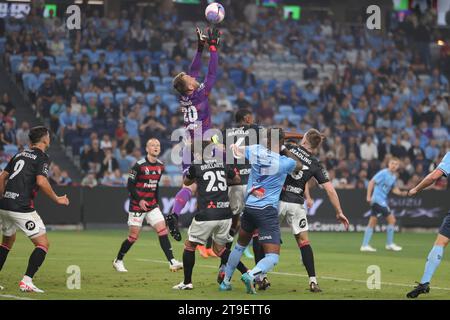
x=201, y=39
x=213, y=39
x=172, y=224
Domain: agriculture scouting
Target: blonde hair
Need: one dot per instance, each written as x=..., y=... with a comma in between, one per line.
x=178, y=83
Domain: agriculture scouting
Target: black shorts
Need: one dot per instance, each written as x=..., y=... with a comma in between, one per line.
x=378, y=210
x=445, y=227
x=265, y=220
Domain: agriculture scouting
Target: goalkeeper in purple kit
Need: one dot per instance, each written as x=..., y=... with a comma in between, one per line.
x=196, y=113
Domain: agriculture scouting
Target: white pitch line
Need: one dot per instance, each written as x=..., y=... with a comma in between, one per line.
x=14, y=297
x=321, y=277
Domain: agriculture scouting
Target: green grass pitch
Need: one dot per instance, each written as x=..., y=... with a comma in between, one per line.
x=341, y=269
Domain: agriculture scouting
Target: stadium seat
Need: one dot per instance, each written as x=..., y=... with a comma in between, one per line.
x=120, y=96
x=79, y=96
x=286, y=110
x=279, y=118
x=155, y=80
x=10, y=149
x=106, y=94
x=301, y=110
x=173, y=107
x=168, y=98
x=166, y=81
x=295, y=119
x=150, y=98
x=236, y=76
x=88, y=95
x=161, y=89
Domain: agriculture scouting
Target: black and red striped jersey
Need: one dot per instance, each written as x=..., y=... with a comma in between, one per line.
x=143, y=182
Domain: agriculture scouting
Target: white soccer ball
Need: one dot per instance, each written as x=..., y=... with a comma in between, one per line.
x=215, y=13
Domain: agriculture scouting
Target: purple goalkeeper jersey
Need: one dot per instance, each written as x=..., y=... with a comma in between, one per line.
x=195, y=107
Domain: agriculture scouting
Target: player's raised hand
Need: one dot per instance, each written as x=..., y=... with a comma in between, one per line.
x=237, y=153
x=63, y=200
x=201, y=39
x=143, y=205
x=343, y=219
x=213, y=38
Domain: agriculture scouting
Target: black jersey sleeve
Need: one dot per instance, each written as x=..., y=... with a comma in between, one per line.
x=43, y=166
x=321, y=174
x=9, y=167
x=230, y=171
x=131, y=185
x=191, y=174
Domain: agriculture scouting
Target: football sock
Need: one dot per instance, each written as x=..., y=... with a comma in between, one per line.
x=308, y=258
x=36, y=259
x=265, y=265
x=4, y=250
x=126, y=245
x=188, y=265
x=390, y=234
x=367, y=236
x=166, y=246
x=181, y=198
x=224, y=259
x=233, y=261
x=209, y=243
x=433, y=261
x=257, y=250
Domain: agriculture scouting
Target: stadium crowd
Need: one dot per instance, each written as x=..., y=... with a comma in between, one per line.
x=106, y=89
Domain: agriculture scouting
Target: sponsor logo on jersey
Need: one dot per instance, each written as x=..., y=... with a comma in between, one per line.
x=147, y=171
x=152, y=184
x=10, y=195
x=244, y=172
x=132, y=174
x=221, y=205
x=218, y=205
x=294, y=189
x=45, y=169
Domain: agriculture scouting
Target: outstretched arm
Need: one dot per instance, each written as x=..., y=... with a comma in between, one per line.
x=3, y=180
x=430, y=179
x=398, y=192
x=293, y=135
x=196, y=64
x=334, y=199
x=211, y=77
x=213, y=42
x=370, y=190
x=45, y=186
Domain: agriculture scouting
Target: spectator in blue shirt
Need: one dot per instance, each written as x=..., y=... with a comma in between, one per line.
x=56, y=110
x=67, y=122
x=432, y=151
x=132, y=126
x=84, y=120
